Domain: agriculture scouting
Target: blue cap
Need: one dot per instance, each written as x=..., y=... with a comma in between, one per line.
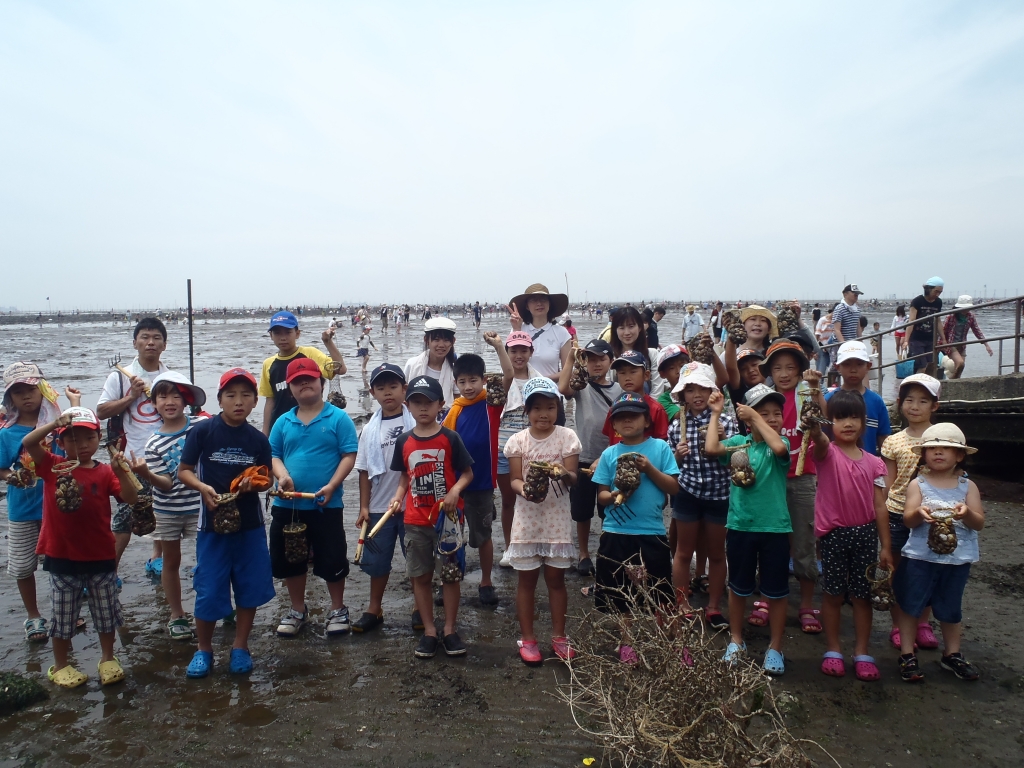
x=539, y=386
x=283, y=320
x=383, y=368
x=632, y=357
x=936, y=282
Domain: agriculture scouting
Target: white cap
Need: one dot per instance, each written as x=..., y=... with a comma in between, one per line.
x=933, y=385
x=696, y=373
x=852, y=350
x=439, y=324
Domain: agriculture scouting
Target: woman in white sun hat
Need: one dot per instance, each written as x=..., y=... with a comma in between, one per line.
x=955, y=330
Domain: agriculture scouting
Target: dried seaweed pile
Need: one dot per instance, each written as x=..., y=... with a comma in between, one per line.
x=680, y=705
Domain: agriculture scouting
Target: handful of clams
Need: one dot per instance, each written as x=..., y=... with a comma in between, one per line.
x=787, y=320
x=733, y=326
x=942, y=534
x=627, y=477
x=702, y=348
x=496, y=394
x=742, y=473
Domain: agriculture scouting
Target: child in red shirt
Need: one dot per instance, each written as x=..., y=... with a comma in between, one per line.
x=632, y=369
x=76, y=541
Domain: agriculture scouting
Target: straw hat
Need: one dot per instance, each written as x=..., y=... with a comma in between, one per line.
x=943, y=435
x=559, y=301
x=756, y=310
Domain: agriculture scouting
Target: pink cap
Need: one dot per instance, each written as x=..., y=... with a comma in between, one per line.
x=519, y=339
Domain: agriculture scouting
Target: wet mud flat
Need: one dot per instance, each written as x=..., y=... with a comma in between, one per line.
x=363, y=700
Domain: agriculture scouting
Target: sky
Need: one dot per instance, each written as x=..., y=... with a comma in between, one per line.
x=330, y=152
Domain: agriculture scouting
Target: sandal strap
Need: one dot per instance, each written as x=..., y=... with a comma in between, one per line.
x=835, y=655
x=864, y=659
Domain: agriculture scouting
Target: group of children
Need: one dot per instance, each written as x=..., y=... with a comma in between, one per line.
x=755, y=484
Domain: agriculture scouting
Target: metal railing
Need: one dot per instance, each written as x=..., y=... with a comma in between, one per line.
x=934, y=319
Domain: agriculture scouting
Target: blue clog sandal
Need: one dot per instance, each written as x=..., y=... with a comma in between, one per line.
x=241, y=661
x=200, y=665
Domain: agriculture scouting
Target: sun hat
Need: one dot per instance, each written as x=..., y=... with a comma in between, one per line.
x=690, y=308
x=559, y=301
x=518, y=339
x=852, y=350
x=301, y=366
x=761, y=392
x=943, y=435
x=784, y=345
x=700, y=374
x=427, y=386
x=632, y=357
x=22, y=373
x=930, y=383
x=81, y=417
x=439, y=324
x=389, y=368
x=540, y=385
x=630, y=402
x=756, y=310
x=852, y=288
x=283, y=320
x=935, y=282
x=236, y=373
x=963, y=302
x=192, y=394
x=671, y=352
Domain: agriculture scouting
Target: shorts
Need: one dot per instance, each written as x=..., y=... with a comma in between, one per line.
x=174, y=527
x=66, y=596
x=919, y=348
x=615, y=551
x=22, y=539
x=800, y=492
x=898, y=533
x=533, y=562
x=920, y=583
x=363, y=352
x=376, y=561
x=503, y=465
x=421, y=551
x=583, y=497
x=747, y=552
x=325, y=535
x=846, y=553
x=478, y=507
x=688, y=508
x=238, y=562
x=899, y=334
x=121, y=519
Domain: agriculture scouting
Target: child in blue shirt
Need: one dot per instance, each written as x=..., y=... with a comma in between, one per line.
x=854, y=364
x=634, y=528
x=314, y=449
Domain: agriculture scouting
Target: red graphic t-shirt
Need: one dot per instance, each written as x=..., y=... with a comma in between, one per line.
x=791, y=429
x=434, y=464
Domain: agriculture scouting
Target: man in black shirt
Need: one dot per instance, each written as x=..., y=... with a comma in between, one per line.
x=921, y=335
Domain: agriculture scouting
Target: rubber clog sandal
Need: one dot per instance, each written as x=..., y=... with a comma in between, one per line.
x=155, y=567
x=628, y=656
x=865, y=669
x=179, y=629
x=563, y=648
x=733, y=652
x=809, y=622
x=832, y=664
x=110, y=672
x=774, y=662
x=529, y=652
x=894, y=638
x=926, y=637
x=69, y=677
x=716, y=620
x=687, y=658
x=200, y=666
x=241, y=662
x=759, y=616
x=35, y=630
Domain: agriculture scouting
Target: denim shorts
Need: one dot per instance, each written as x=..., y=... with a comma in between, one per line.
x=920, y=583
x=376, y=561
x=899, y=534
x=503, y=466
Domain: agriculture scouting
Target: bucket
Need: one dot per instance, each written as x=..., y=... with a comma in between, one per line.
x=904, y=369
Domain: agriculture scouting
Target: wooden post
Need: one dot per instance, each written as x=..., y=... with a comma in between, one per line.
x=1016, y=340
x=191, y=356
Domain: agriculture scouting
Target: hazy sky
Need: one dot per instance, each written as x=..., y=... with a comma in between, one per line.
x=330, y=152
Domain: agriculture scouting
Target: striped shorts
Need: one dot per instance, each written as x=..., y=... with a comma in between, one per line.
x=66, y=596
x=22, y=538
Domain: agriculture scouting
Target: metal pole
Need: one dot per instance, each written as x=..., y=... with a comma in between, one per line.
x=881, y=343
x=1016, y=340
x=191, y=356
x=933, y=368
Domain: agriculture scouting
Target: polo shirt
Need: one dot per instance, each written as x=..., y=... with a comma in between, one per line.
x=311, y=452
x=272, y=378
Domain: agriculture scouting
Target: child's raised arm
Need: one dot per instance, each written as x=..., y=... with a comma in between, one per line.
x=492, y=338
x=268, y=410
x=821, y=441
x=769, y=435
x=129, y=495
x=732, y=368
x=32, y=442
x=141, y=468
x=712, y=444
x=340, y=369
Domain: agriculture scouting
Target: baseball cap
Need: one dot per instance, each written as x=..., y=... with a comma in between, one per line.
x=21, y=373
x=384, y=368
x=283, y=320
x=943, y=435
x=936, y=282
x=852, y=288
x=761, y=392
x=852, y=350
x=671, y=352
x=429, y=387
x=301, y=366
x=539, y=385
x=81, y=417
x=930, y=383
x=518, y=339
x=696, y=373
x=630, y=402
x=236, y=373
x=599, y=347
x=632, y=357
x=193, y=395
x=439, y=324
x=743, y=354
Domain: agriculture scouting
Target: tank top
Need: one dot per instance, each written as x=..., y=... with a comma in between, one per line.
x=917, y=547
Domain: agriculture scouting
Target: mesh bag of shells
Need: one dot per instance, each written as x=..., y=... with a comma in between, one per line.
x=496, y=394
x=627, y=477
x=942, y=534
x=296, y=547
x=142, y=519
x=23, y=477
x=786, y=319
x=733, y=327
x=226, y=517
x=580, y=378
x=701, y=348
x=334, y=394
x=68, y=492
x=742, y=473
x=680, y=704
x=536, y=483
x=880, y=581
